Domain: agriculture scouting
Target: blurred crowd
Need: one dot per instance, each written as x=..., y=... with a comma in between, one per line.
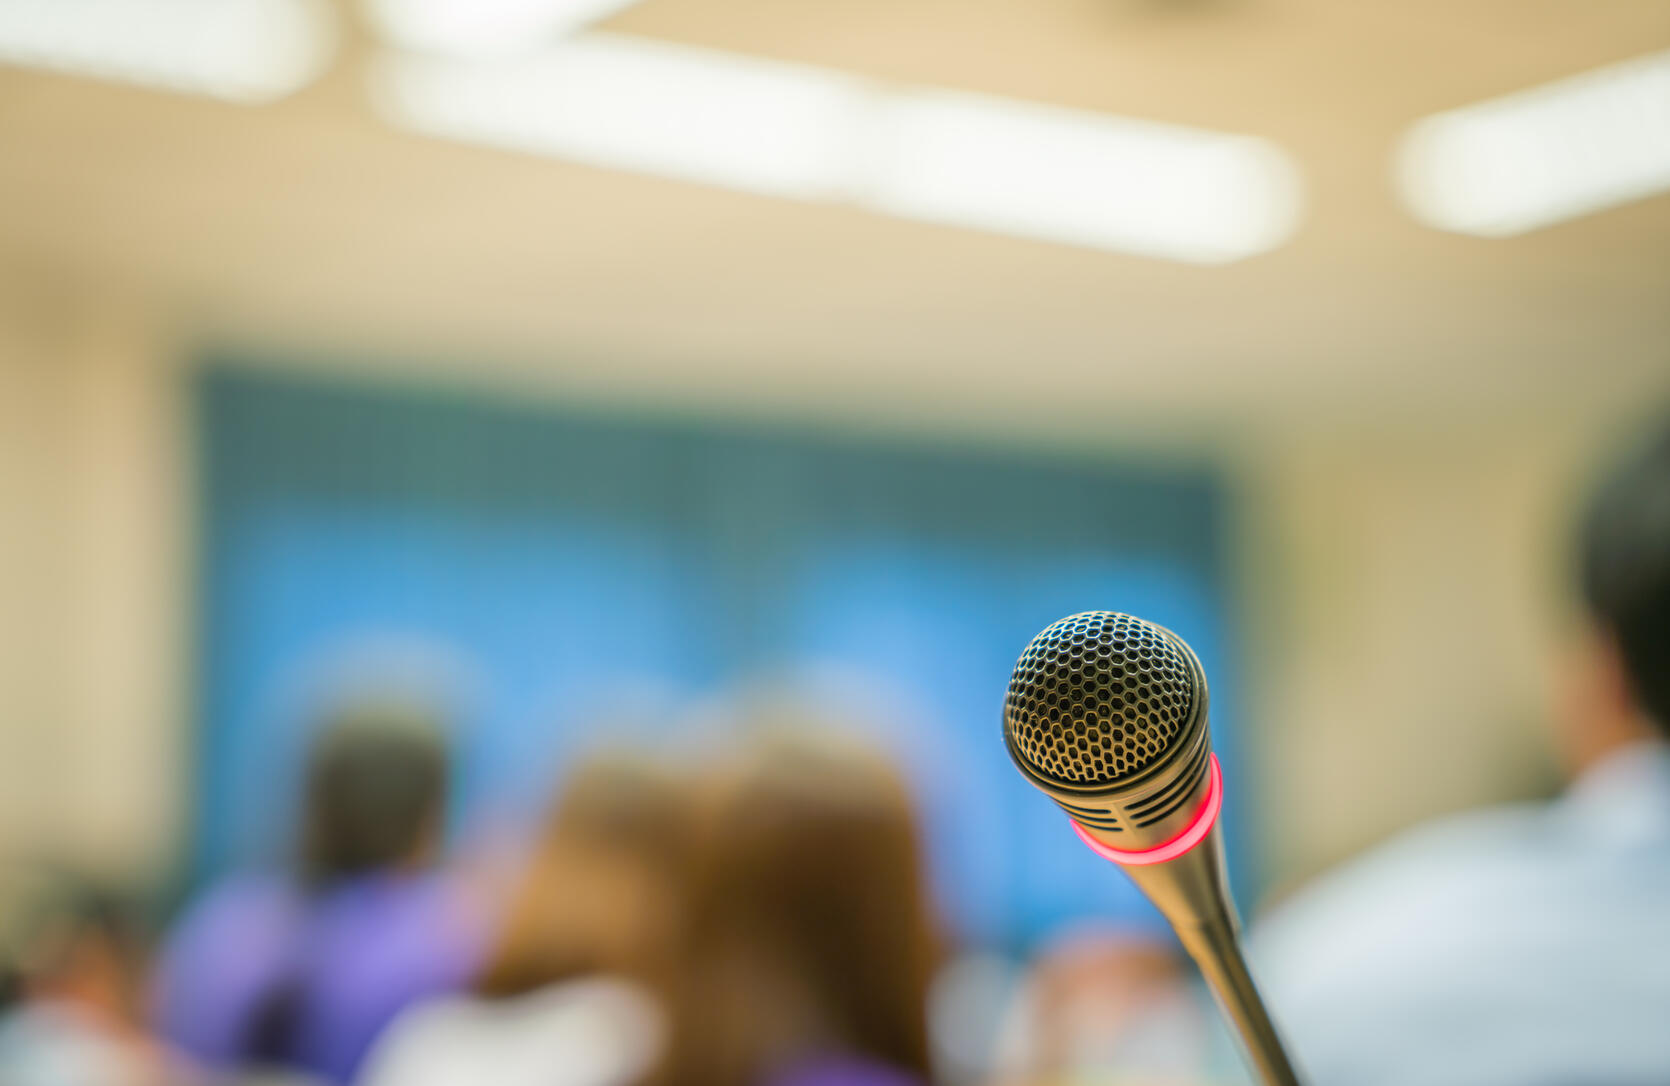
x=758, y=918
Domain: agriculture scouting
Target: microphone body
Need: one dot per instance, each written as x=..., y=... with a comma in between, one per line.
x=1107, y=715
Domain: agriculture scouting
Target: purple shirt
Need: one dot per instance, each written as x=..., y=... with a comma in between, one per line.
x=350, y=960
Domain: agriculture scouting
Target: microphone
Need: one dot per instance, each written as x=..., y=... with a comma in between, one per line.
x=1106, y=715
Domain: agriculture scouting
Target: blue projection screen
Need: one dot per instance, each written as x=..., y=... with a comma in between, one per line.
x=542, y=568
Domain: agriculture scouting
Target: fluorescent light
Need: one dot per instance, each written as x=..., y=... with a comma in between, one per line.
x=630, y=104
x=480, y=27
x=1543, y=155
x=240, y=50
x=1082, y=178
x=807, y=133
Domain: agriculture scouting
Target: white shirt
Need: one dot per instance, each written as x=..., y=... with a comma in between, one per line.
x=1524, y=946
x=599, y=1032
x=56, y=1044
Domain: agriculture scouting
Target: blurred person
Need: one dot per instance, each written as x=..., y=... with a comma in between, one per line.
x=571, y=992
x=71, y=956
x=1107, y=1006
x=1524, y=946
x=302, y=969
x=812, y=945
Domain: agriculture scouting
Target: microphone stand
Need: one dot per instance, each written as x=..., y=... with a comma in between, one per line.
x=1192, y=892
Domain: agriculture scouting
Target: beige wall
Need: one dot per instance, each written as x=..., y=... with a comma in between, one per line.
x=1417, y=599
x=92, y=601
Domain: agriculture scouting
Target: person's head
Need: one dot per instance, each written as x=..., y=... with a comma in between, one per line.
x=1624, y=568
x=1106, y=995
x=811, y=934
x=375, y=793
x=67, y=941
x=605, y=889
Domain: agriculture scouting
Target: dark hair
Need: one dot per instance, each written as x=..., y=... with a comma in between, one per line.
x=811, y=930
x=375, y=792
x=1625, y=560
x=376, y=788
x=51, y=915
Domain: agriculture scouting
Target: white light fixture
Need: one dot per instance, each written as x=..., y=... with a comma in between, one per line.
x=1544, y=155
x=807, y=133
x=239, y=50
x=630, y=104
x=1082, y=178
x=484, y=27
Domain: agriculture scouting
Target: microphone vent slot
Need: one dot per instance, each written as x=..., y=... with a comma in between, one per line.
x=1098, y=697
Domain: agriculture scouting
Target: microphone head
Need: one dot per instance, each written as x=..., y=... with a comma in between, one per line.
x=1106, y=713
x=1099, y=697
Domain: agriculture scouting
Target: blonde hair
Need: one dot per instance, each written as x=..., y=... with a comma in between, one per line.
x=810, y=930
x=603, y=892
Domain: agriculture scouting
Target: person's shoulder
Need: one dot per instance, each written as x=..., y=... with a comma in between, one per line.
x=1413, y=881
x=1469, y=928
x=248, y=909
x=615, y=1019
x=590, y=1032
x=245, y=891
x=424, y=1041
x=443, y=1021
x=1452, y=847
x=49, y=1042
x=441, y=899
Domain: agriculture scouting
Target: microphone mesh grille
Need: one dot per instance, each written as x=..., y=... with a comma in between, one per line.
x=1098, y=697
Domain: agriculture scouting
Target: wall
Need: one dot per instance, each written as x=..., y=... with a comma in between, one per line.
x=93, y=499
x=1417, y=599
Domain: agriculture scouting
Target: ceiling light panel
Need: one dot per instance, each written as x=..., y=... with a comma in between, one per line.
x=1556, y=152
x=237, y=50
x=998, y=165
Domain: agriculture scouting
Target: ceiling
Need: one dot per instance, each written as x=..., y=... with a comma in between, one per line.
x=309, y=224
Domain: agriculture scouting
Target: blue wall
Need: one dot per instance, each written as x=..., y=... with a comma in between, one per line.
x=550, y=564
